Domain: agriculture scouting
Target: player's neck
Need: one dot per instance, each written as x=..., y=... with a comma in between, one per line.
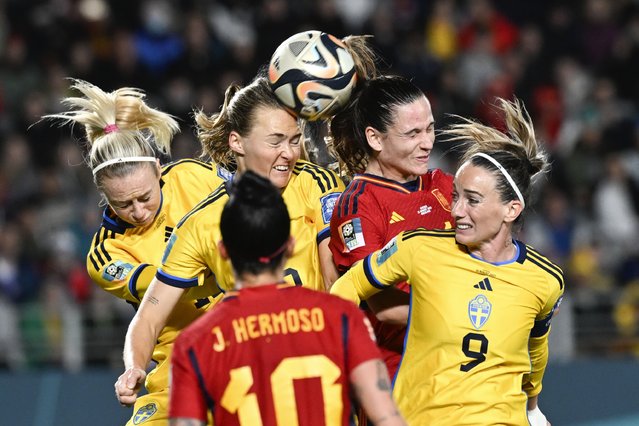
x=248, y=280
x=376, y=168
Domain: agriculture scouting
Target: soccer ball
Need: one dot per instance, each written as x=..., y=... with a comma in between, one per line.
x=312, y=74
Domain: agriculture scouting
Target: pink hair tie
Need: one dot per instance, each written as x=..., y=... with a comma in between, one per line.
x=110, y=128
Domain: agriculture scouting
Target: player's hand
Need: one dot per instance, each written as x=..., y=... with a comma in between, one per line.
x=128, y=385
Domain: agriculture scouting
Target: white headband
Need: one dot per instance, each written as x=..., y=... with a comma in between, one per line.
x=121, y=160
x=503, y=172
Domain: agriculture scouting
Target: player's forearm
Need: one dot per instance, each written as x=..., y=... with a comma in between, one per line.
x=532, y=402
x=538, y=350
x=390, y=306
x=354, y=285
x=329, y=270
x=373, y=391
x=138, y=344
x=148, y=322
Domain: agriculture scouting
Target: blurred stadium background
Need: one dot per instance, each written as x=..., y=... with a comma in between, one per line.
x=574, y=63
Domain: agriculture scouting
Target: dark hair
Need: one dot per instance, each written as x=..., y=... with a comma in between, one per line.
x=373, y=104
x=255, y=224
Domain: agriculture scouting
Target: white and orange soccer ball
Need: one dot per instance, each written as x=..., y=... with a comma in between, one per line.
x=312, y=74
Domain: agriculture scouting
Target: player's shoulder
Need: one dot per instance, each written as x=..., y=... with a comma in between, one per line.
x=422, y=239
x=437, y=178
x=112, y=226
x=189, y=168
x=186, y=165
x=541, y=264
x=327, y=301
x=308, y=175
x=432, y=236
x=365, y=194
x=207, y=208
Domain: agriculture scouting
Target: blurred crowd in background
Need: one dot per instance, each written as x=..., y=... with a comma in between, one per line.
x=574, y=64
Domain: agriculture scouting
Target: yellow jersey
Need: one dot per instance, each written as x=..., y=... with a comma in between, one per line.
x=123, y=258
x=310, y=196
x=476, y=347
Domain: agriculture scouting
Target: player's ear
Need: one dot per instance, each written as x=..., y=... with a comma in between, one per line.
x=235, y=143
x=373, y=138
x=222, y=249
x=513, y=210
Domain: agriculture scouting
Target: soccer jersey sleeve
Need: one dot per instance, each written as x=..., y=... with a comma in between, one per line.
x=323, y=191
x=183, y=261
x=186, y=397
x=353, y=235
x=111, y=266
x=538, y=342
x=379, y=270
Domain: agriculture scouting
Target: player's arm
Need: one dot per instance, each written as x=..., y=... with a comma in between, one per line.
x=538, y=343
x=378, y=271
x=143, y=331
x=373, y=391
x=390, y=306
x=329, y=270
x=113, y=267
x=323, y=198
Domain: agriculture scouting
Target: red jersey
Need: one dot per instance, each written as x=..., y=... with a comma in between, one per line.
x=271, y=355
x=370, y=212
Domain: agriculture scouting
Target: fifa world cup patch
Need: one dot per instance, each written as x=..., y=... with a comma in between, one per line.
x=144, y=413
x=479, y=310
x=352, y=235
x=117, y=271
x=386, y=251
x=328, y=203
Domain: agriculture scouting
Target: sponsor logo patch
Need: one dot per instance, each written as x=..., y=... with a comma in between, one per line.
x=328, y=203
x=169, y=246
x=387, y=251
x=144, y=413
x=424, y=210
x=224, y=174
x=352, y=235
x=479, y=310
x=117, y=271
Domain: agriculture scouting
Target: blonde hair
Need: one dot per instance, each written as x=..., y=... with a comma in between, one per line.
x=518, y=151
x=365, y=58
x=118, y=125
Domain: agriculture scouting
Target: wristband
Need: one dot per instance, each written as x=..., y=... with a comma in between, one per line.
x=536, y=417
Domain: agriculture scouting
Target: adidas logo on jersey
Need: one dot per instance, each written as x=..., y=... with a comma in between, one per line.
x=484, y=285
x=395, y=217
x=167, y=233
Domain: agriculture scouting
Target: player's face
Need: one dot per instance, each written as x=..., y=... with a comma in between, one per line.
x=273, y=145
x=135, y=198
x=407, y=143
x=478, y=209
